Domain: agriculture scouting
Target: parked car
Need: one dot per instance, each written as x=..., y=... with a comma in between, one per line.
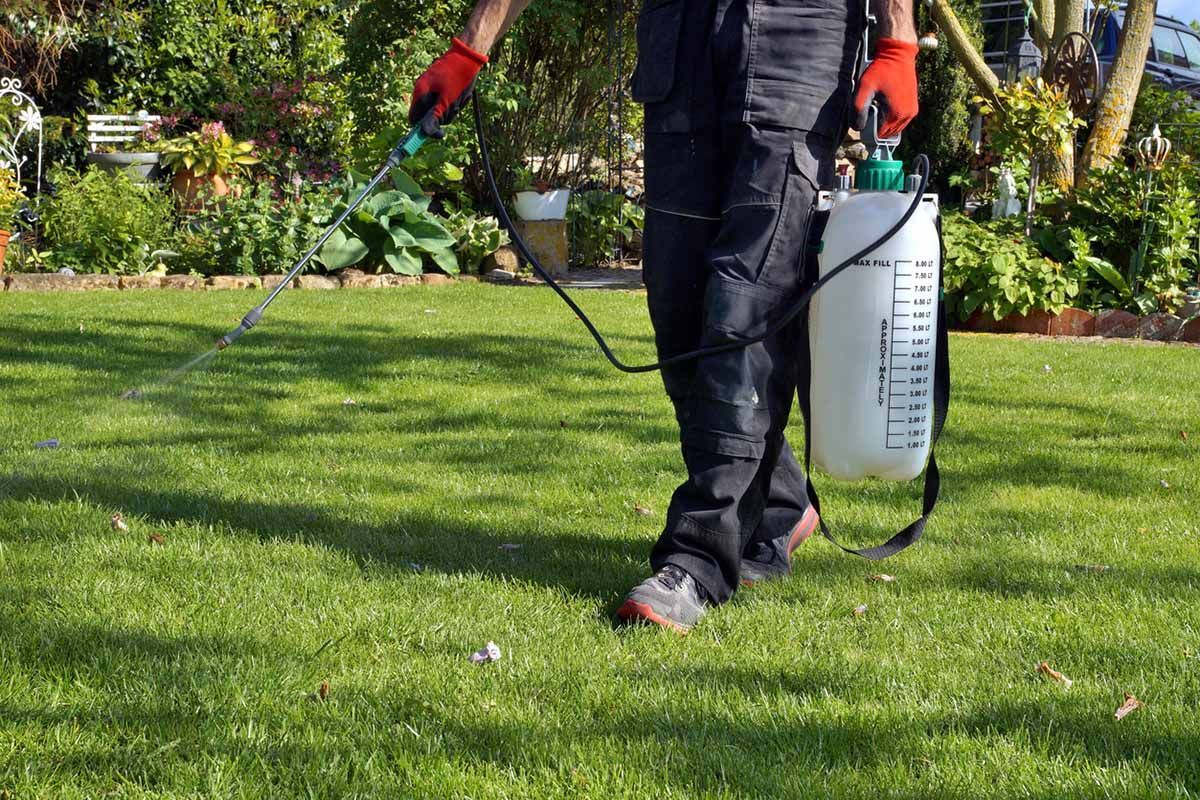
x=1174, y=57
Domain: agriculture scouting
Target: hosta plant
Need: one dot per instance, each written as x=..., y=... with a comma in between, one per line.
x=208, y=151
x=392, y=228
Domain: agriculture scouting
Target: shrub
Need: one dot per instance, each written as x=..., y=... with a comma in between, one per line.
x=601, y=222
x=254, y=234
x=994, y=269
x=1146, y=231
x=104, y=222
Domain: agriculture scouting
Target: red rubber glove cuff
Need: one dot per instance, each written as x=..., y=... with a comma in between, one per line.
x=891, y=79
x=446, y=85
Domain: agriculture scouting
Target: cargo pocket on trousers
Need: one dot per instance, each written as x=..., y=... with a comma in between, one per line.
x=659, y=27
x=784, y=262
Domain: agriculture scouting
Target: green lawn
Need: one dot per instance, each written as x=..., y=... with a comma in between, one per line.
x=306, y=540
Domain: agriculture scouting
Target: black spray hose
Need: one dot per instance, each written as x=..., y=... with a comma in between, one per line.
x=792, y=312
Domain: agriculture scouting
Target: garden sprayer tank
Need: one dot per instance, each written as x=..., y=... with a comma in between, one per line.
x=873, y=329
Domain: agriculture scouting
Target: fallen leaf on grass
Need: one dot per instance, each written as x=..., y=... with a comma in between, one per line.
x=156, y=538
x=1091, y=567
x=321, y=694
x=118, y=523
x=1130, y=705
x=1143, y=530
x=1183, y=435
x=489, y=653
x=46, y=444
x=641, y=509
x=881, y=578
x=1053, y=674
x=562, y=423
x=860, y=610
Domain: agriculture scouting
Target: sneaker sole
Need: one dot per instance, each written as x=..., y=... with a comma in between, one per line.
x=633, y=611
x=804, y=529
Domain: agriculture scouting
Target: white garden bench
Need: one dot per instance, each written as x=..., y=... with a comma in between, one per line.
x=104, y=129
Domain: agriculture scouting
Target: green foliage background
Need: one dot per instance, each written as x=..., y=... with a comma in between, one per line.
x=942, y=128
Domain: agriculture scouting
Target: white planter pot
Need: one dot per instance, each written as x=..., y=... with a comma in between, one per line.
x=532, y=206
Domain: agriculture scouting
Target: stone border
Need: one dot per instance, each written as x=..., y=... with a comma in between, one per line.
x=1109, y=324
x=346, y=279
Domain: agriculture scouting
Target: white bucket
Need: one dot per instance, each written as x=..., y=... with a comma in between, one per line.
x=532, y=206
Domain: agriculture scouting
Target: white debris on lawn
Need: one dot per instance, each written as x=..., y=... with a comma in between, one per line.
x=489, y=653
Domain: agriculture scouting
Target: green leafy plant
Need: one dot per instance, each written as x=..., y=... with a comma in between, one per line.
x=1147, y=231
x=477, y=237
x=438, y=166
x=256, y=233
x=392, y=228
x=11, y=199
x=994, y=269
x=599, y=222
x=104, y=222
x=208, y=151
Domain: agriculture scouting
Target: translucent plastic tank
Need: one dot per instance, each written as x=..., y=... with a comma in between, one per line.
x=873, y=330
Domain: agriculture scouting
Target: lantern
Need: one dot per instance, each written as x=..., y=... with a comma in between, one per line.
x=1024, y=59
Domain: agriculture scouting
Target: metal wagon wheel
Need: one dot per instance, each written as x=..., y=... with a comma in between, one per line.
x=1076, y=69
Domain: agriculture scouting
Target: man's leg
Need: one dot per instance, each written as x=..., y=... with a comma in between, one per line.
x=738, y=399
x=732, y=407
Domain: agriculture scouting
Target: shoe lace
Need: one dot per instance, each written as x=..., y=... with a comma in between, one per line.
x=672, y=577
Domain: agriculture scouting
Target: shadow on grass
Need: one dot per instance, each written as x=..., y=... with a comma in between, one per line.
x=218, y=409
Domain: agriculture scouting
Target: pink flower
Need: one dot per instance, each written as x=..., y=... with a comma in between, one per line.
x=212, y=130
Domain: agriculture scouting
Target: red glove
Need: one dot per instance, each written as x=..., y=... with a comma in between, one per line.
x=445, y=87
x=892, y=76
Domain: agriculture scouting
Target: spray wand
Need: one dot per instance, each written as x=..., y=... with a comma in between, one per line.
x=407, y=146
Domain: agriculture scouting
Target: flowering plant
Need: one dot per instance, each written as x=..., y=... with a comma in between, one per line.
x=208, y=151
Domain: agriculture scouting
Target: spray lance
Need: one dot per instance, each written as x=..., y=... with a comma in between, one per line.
x=885, y=232
x=407, y=146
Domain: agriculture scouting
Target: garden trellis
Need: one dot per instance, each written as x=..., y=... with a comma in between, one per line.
x=13, y=149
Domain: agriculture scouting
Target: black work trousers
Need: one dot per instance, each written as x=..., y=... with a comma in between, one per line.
x=745, y=102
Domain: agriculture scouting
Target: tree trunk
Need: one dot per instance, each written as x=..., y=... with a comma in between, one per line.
x=1060, y=167
x=1115, y=108
x=960, y=43
x=1068, y=17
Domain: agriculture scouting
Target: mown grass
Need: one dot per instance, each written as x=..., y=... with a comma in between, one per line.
x=306, y=540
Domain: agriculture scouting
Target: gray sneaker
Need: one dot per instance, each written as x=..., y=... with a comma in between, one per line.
x=670, y=598
x=752, y=571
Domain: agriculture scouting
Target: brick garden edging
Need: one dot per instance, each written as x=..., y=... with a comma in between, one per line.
x=351, y=278
x=1110, y=324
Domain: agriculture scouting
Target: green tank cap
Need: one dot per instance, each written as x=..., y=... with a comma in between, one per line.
x=879, y=175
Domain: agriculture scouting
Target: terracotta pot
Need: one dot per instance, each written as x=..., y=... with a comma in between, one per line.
x=193, y=190
x=4, y=235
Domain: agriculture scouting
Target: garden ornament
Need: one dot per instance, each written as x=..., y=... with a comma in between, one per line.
x=1006, y=203
x=1154, y=149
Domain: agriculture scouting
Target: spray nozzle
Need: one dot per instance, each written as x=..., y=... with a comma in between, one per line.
x=248, y=322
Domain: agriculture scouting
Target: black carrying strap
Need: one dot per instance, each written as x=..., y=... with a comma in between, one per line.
x=933, y=479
